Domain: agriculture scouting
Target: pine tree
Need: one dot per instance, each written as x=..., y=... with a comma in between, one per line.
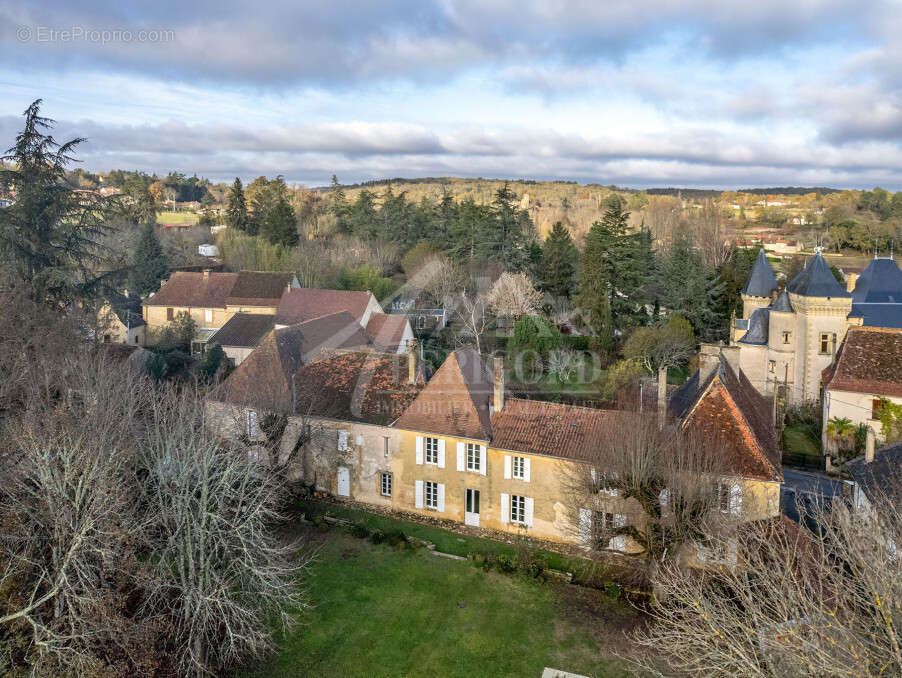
x=339, y=206
x=690, y=288
x=279, y=224
x=594, y=285
x=236, y=209
x=149, y=264
x=558, y=256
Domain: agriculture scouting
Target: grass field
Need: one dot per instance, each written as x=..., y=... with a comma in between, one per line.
x=177, y=218
x=798, y=439
x=379, y=611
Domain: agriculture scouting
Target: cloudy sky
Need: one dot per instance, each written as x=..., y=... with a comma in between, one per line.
x=719, y=93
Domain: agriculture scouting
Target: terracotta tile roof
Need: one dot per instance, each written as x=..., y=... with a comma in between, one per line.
x=456, y=400
x=552, y=429
x=259, y=288
x=264, y=378
x=245, y=330
x=386, y=331
x=868, y=361
x=298, y=305
x=728, y=408
x=198, y=290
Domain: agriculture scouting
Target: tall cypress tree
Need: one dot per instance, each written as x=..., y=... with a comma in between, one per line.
x=594, y=285
x=236, y=209
x=149, y=265
x=558, y=256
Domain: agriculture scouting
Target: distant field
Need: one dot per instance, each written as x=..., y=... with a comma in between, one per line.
x=177, y=218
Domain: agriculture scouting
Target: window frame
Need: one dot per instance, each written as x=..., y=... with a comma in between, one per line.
x=724, y=491
x=208, y=315
x=474, y=457
x=825, y=343
x=385, y=481
x=772, y=366
x=430, y=488
x=430, y=446
x=787, y=337
x=170, y=314
x=517, y=507
x=522, y=465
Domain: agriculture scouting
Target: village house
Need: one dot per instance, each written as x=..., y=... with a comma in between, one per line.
x=121, y=321
x=787, y=338
x=876, y=477
x=867, y=371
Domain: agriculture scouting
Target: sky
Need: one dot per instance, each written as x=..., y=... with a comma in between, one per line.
x=646, y=93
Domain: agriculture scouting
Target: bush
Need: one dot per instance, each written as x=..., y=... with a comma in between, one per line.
x=395, y=537
x=359, y=530
x=378, y=536
x=576, y=342
x=506, y=563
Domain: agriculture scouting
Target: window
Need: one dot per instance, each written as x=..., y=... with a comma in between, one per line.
x=342, y=441
x=136, y=338
x=421, y=322
x=385, y=446
x=106, y=338
x=826, y=341
x=787, y=337
x=518, y=467
x=771, y=366
x=170, y=314
x=876, y=404
x=431, y=495
x=208, y=315
x=251, y=426
x=473, y=454
x=472, y=501
x=386, y=484
x=518, y=508
x=431, y=447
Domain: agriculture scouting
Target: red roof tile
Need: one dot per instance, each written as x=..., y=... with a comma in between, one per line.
x=259, y=288
x=386, y=331
x=869, y=361
x=298, y=305
x=197, y=290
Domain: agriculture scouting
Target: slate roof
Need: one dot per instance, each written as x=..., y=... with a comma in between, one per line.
x=782, y=303
x=127, y=308
x=243, y=330
x=878, y=315
x=565, y=431
x=759, y=326
x=456, y=400
x=258, y=288
x=817, y=280
x=298, y=305
x=880, y=283
x=880, y=479
x=868, y=361
x=386, y=331
x=761, y=280
x=185, y=288
x=728, y=408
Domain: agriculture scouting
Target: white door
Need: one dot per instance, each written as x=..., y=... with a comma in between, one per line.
x=344, y=482
x=471, y=515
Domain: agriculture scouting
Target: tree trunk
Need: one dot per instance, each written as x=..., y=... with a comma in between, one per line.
x=662, y=396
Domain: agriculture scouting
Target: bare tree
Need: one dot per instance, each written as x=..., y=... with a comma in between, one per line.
x=219, y=574
x=799, y=604
x=513, y=296
x=472, y=310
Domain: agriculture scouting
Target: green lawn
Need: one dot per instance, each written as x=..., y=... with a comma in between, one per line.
x=798, y=439
x=177, y=217
x=379, y=611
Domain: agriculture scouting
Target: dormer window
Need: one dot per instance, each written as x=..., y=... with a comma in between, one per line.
x=787, y=337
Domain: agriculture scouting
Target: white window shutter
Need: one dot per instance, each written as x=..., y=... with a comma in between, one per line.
x=594, y=474
x=418, y=502
x=664, y=498
x=618, y=543
x=619, y=520
x=441, y=497
x=461, y=457
x=736, y=499
x=526, y=469
x=505, y=507
x=585, y=526
x=419, y=449
x=252, y=427
x=482, y=459
x=529, y=510
x=507, y=467
x=342, y=441
x=441, y=453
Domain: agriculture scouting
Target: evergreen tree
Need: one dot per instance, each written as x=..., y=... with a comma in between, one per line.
x=505, y=237
x=594, y=286
x=690, y=288
x=339, y=206
x=149, y=264
x=236, y=207
x=49, y=235
x=279, y=224
x=558, y=256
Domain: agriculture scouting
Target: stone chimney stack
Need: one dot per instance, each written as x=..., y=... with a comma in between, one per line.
x=851, y=279
x=498, y=368
x=708, y=361
x=731, y=355
x=413, y=357
x=869, y=446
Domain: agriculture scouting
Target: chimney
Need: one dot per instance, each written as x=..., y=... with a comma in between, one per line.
x=731, y=355
x=708, y=361
x=206, y=273
x=851, y=279
x=413, y=355
x=498, y=368
x=869, y=446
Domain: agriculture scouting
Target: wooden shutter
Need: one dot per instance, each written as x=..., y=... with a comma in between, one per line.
x=735, y=499
x=526, y=469
x=419, y=449
x=441, y=497
x=482, y=460
x=507, y=467
x=461, y=457
x=529, y=511
x=505, y=507
x=418, y=502
x=585, y=526
x=441, y=453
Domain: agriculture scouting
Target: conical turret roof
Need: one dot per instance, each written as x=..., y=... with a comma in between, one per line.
x=761, y=281
x=817, y=280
